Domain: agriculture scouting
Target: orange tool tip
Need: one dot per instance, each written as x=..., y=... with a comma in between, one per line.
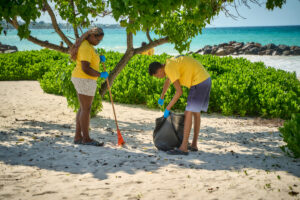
x=121, y=141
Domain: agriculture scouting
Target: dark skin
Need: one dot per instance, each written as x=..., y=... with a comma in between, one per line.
x=161, y=74
x=83, y=114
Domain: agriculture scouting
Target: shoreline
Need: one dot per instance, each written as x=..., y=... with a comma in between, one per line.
x=109, y=26
x=289, y=63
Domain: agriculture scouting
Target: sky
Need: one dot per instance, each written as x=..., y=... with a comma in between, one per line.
x=289, y=14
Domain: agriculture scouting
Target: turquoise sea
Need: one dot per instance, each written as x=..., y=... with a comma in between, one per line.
x=115, y=39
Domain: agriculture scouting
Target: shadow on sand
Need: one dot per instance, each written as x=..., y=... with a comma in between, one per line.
x=50, y=146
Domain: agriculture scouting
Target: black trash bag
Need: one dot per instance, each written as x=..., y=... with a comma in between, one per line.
x=168, y=133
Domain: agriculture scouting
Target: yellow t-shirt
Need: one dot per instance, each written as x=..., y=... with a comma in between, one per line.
x=187, y=70
x=86, y=52
x=149, y=52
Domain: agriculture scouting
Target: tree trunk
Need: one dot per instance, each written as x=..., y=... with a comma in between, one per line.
x=124, y=60
x=55, y=25
x=114, y=73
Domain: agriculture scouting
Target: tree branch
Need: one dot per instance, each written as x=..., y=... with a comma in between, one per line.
x=105, y=13
x=46, y=44
x=235, y=6
x=122, y=63
x=152, y=44
x=55, y=25
x=129, y=38
x=40, y=42
x=114, y=73
x=148, y=36
x=74, y=14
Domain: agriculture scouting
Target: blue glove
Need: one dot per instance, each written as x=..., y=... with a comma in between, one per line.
x=166, y=113
x=104, y=75
x=102, y=58
x=161, y=101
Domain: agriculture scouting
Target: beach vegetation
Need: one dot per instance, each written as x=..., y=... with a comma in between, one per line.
x=278, y=177
x=267, y=186
x=239, y=87
x=290, y=132
x=175, y=21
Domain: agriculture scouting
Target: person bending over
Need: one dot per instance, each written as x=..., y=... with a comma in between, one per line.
x=185, y=71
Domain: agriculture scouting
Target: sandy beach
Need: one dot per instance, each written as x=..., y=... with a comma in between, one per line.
x=286, y=63
x=238, y=157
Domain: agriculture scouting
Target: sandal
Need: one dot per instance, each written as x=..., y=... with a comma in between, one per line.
x=177, y=151
x=192, y=148
x=78, y=141
x=94, y=143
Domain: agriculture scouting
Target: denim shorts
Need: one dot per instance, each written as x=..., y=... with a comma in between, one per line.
x=198, y=97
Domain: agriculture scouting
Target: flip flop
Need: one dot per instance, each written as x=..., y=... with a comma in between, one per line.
x=78, y=141
x=94, y=143
x=177, y=151
x=192, y=148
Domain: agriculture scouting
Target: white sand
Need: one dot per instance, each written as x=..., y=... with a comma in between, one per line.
x=286, y=63
x=239, y=158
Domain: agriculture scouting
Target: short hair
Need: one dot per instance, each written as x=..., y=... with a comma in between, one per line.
x=153, y=67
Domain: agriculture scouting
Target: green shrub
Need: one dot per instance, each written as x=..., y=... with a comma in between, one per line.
x=239, y=87
x=244, y=88
x=58, y=81
x=27, y=65
x=290, y=133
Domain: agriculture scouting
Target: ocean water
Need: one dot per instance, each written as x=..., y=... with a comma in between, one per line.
x=115, y=40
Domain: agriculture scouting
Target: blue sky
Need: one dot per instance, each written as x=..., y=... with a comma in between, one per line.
x=289, y=14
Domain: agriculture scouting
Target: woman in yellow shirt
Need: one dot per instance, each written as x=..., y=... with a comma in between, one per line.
x=185, y=71
x=84, y=79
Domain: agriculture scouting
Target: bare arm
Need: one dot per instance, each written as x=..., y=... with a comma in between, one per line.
x=177, y=94
x=165, y=88
x=85, y=65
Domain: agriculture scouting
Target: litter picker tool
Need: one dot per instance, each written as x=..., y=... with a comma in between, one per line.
x=121, y=142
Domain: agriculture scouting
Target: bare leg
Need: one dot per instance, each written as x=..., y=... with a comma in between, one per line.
x=197, y=123
x=78, y=135
x=187, y=130
x=84, y=117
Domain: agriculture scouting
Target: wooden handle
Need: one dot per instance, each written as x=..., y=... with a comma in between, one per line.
x=112, y=102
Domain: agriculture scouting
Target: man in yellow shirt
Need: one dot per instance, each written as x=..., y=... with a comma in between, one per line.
x=185, y=71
